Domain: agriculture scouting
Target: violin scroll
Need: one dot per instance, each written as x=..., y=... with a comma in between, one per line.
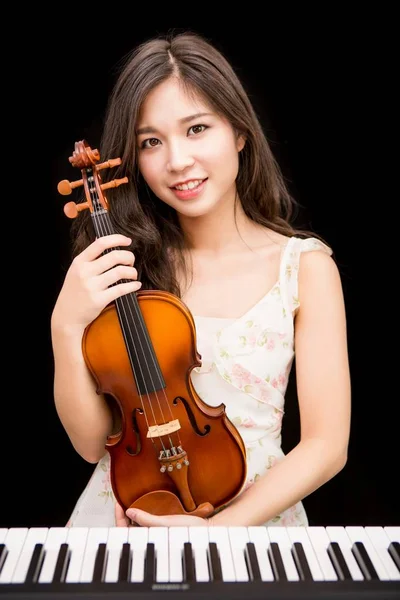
x=87, y=159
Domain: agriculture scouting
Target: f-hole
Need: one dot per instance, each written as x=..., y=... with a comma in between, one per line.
x=135, y=430
x=207, y=428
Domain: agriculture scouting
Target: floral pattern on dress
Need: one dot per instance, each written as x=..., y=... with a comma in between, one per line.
x=106, y=493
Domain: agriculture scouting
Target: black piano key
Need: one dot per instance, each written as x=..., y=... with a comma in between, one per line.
x=150, y=563
x=339, y=562
x=100, y=563
x=3, y=554
x=278, y=568
x=252, y=562
x=394, y=551
x=61, y=564
x=124, y=563
x=301, y=563
x=188, y=563
x=364, y=561
x=215, y=563
x=35, y=564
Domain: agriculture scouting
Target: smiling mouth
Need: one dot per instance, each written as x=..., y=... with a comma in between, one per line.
x=191, y=190
x=189, y=186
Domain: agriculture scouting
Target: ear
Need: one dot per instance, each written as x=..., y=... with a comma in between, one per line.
x=240, y=142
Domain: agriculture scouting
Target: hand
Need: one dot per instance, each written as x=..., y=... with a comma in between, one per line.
x=145, y=519
x=88, y=286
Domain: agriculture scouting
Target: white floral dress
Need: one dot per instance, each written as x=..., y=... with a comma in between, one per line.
x=246, y=364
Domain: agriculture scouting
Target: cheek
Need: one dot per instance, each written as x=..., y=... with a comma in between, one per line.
x=224, y=162
x=222, y=152
x=149, y=170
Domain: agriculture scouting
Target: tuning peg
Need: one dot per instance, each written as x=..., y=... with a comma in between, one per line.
x=108, y=164
x=65, y=187
x=114, y=183
x=71, y=209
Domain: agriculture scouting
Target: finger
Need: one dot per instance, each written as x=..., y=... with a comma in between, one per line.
x=116, y=291
x=117, y=274
x=144, y=519
x=121, y=520
x=113, y=258
x=96, y=248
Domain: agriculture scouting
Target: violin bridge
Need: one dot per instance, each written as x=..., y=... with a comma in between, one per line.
x=163, y=429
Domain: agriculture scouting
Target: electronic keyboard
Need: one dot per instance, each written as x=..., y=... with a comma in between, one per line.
x=282, y=563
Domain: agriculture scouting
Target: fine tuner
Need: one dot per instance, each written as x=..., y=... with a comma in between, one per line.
x=65, y=187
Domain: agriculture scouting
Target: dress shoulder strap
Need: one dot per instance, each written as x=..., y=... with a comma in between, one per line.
x=290, y=267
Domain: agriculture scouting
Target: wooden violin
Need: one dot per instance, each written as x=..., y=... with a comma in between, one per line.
x=174, y=453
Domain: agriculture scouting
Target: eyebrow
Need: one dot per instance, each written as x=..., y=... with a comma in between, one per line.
x=142, y=130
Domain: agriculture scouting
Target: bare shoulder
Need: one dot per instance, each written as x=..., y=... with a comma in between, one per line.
x=275, y=238
x=318, y=268
x=320, y=288
x=271, y=243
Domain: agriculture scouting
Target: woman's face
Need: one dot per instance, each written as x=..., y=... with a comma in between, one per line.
x=188, y=155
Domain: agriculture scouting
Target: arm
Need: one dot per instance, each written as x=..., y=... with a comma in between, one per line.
x=89, y=286
x=84, y=414
x=324, y=393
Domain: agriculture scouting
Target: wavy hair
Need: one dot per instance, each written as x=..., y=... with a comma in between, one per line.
x=134, y=210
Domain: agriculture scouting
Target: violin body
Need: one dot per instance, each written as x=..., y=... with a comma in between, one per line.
x=173, y=454
x=217, y=462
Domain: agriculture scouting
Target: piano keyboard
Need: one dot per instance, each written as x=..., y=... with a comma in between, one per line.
x=240, y=562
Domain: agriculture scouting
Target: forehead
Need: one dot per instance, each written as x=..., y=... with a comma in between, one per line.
x=169, y=102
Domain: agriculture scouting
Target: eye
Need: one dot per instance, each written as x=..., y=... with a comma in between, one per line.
x=150, y=143
x=198, y=128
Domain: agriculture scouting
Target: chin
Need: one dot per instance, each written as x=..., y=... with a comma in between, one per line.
x=196, y=209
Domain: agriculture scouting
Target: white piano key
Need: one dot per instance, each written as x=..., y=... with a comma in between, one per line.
x=159, y=536
x=177, y=537
x=239, y=537
x=320, y=541
x=14, y=542
x=220, y=536
x=231, y=542
x=76, y=540
x=138, y=538
x=338, y=534
x=117, y=536
x=3, y=534
x=198, y=536
x=55, y=537
x=259, y=537
x=36, y=535
x=381, y=542
x=281, y=537
x=299, y=534
x=393, y=533
x=358, y=534
x=96, y=536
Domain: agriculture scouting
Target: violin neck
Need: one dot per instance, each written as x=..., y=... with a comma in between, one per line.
x=142, y=357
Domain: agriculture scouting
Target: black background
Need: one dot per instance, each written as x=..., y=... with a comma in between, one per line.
x=302, y=74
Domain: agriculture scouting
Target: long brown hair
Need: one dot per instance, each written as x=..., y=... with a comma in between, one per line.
x=134, y=210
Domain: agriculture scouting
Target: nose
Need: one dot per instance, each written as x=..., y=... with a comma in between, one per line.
x=179, y=158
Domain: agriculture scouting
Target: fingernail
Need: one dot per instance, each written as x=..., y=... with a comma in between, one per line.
x=131, y=513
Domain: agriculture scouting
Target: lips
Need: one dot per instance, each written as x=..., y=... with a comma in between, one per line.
x=191, y=192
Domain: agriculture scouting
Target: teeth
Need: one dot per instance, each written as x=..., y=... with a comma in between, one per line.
x=189, y=186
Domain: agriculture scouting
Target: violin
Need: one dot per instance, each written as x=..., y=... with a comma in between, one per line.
x=174, y=454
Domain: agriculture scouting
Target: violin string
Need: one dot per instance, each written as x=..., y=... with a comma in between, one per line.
x=126, y=300
x=102, y=232
x=106, y=229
